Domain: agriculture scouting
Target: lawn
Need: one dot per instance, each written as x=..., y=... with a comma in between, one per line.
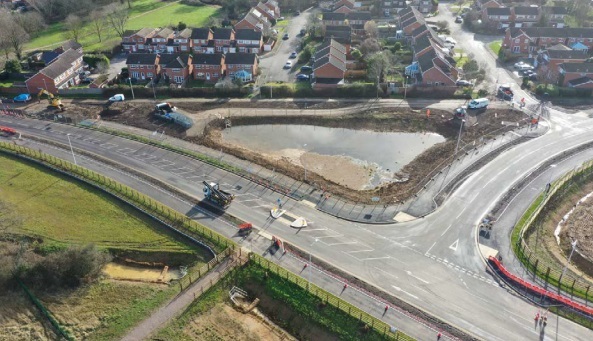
x=144, y=13
x=495, y=46
x=61, y=211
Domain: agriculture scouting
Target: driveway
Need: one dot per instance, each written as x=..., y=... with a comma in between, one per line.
x=271, y=65
x=117, y=62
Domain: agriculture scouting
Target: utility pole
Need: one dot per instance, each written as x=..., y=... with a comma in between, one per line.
x=131, y=88
x=459, y=137
x=573, y=244
x=72, y=150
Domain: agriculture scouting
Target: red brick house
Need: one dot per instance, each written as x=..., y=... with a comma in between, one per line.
x=176, y=68
x=571, y=73
x=222, y=38
x=525, y=16
x=181, y=42
x=433, y=68
x=255, y=20
x=554, y=15
x=266, y=11
x=333, y=19
x=249, y=41
x=425, y=6
x=135, y=41
x=410, y=19
x=497, y=17
x=209, y=67
x=551, y=58
x=201, y=39
x=158, y=42
x=143, y=65
x=235, y=62
x=343, y=3
x=60, y=74
x=528, y=40
x=343, y=9
x=330, y=65
x=340, y=34
x=481, y=4
x=70, y=44
x=356, y=20
x=273, y=6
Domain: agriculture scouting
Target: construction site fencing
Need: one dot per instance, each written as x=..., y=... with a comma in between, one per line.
x=364, y=317
x=541, y=270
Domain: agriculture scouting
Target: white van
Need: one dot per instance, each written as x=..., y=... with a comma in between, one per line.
x=478, y=103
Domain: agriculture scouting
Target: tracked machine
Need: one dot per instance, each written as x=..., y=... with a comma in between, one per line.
x=213, y=193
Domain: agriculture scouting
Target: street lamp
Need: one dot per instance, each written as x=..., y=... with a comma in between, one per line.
x=72, y=150
x=574, y=246
x=309, y=281
x=131, y=88
x=459, y=137
x=304, y=165
x=377, y=86
x=153, y=91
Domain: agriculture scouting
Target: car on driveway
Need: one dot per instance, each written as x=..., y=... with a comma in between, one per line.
x=285, y=36
x=306, y=68
x=302, y=77
x=522, y=66
x=288, y=65
x=293, y=55
x=459, y=19
x=22, y=98
x=117, y=98
x=463, y=82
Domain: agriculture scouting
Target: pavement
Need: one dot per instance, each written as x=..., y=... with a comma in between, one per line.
x=433, y=263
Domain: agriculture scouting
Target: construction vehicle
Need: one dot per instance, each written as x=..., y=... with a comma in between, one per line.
x=213, y=193
x=54, y=101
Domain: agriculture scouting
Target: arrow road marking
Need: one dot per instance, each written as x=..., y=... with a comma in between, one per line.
x=418, y=278
x=405, y=292
x=454, y=245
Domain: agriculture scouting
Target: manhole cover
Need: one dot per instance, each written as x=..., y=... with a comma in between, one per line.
x=368, y=216
x=238, y=187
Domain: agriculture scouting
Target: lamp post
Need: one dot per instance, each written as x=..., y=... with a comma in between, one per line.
x=377, y=87
x=131, y=88
x=405, y=85
x=304, y=165
x=309, y=281
x=573, y=244
x=72, y=150
x=153, y=91
x=459, y=137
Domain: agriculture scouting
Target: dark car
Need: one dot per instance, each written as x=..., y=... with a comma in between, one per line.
x=306, y=68
x=303, y=32
x=463, y=82
x=302, y=77
x=459, y=19
x=293, y=55
x=285, y=36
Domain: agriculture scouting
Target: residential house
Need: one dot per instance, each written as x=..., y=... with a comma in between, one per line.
x=70, y=44
x=242, y=65
x=158, y=42
x=531, y=39
x=181, y=42
x=581, y=83
x=202, y=40
x=248, y=40
x=209, y=67
x=222, y=38
x=572, y=74
x=60, y=74
x=356, y=20
x=143, y=65
x=392, y=7
x=333, y=19
x=330, y=65
x=525, y=16
x=551, y=58
x=176, y=67
x=498, y=17
x=135, y=41
x=425, y=6
x=273, y=6
x=434, y=69
x=410, y=19
x=266, y=11
x=344, y=9
x=343, y=3
x=341, y=34
x=554, y=15
x=481, y=4
x=255, y=20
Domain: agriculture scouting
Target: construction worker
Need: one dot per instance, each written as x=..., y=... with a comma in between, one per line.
x=439, y=336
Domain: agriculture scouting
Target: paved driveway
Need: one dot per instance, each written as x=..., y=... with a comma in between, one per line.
x=272, y=65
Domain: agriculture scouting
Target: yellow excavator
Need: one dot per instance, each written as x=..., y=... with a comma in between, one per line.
x=54, y=101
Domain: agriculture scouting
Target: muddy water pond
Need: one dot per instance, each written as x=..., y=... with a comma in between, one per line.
x=142, y=274
x=380, y=154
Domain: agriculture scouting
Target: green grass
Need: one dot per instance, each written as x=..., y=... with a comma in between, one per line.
x=461, y=61
x=6, y=83
x=495, y=46
x=172, y=14
x=62, y=211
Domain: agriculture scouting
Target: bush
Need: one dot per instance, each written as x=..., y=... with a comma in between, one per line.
x=482, y=93
x=396, y=47
x=13, y=66
x=306, y=55
x=94, y=59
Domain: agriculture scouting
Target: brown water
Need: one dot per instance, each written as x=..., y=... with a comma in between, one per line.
x=133, y=273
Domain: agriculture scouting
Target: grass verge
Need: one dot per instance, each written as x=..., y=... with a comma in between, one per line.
x=495, y=46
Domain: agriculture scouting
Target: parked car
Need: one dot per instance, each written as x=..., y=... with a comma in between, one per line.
x=450, y=40
x=459, y=19
x=285, y=36
x=524, y=67
x=505, y=92
x=478, y=103
x=293, y=55
x=521, y=65
x=302, y=77
x=280, y=19
x=117, y=98
x=303, y=32
x=87, y=80
x=306, y=68
x=22, y=98
x=288, y=65
x=463, y=82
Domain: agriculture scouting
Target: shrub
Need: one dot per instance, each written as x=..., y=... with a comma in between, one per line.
x=396, y=47
x=482, y=93
x=13, y=66
x=94, y=59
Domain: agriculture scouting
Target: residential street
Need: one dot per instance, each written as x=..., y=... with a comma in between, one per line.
x=273, y=63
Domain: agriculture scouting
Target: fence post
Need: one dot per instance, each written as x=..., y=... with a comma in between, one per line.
x=572, y=288
x=547, y=276
x=587, y=296
x=535, y=267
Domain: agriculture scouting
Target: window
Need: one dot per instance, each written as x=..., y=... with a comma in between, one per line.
x=178, y=79
x=517, y=41
x=215, y=75
x=149, y=74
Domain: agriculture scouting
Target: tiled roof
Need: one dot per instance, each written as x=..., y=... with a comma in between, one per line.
x=240, y=58
x=421, y=43
x=201, y=33
x=144, y=32
x=141, y=59
x=580, y=81
x=175, y=60
x=331, y=44
x=358, y=16
x=555, y=10
x=223, y=33
x=186, y=33
x=71, y=44
x=567, y=54
x=62, y=64
x=165, y=32
x=425, y=61
x=498, y=11
x=247, y=34
x=577, y=67
x=419, y=30
x=329, y=59
x=526, y=10
x=553, y=32
x=333, y=16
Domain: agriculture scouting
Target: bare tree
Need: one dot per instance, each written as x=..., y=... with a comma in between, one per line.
x=548, y=75
x=75, y=26
x=46, y=7
x=370, y=27
x=98, y=22
x=13, y=34
x=118, y=18
x=31, y=21
x=369, y=46
x=377, y=65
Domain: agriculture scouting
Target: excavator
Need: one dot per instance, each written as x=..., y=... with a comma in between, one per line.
x=54, y=101
x=213, y=193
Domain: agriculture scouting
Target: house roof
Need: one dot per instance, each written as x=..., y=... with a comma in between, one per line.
x=223, y=33
x=201, y=33
x=70, y=44
x=552, y=32
x=240, y=58
x=207, y=59
x=559, y=10
x=577, y=67
x=425, y=61
x=419, y=30
x=333, y=16
x=567, y=54
x=251, y=18
x=48, y=56
x=341, y=36
x=143, y=32
x=498, y=11
x=186, y=33
x=165, y=32
x=329, y=59
x=421, y=43
x=358, y=16
x=62, y=64
x=175, y=60
x=338, y=28
x=526, y=10
x=141, y=59
x=331, y=43
x=559, y=47
x=579, y=46
x=247, y=34
x=580, y=81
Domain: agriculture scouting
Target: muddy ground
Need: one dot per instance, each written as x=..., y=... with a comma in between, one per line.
x=337, y=180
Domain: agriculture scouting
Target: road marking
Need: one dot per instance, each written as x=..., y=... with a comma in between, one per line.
x=418, y=278
x=375, y=258
x=405, y=292
x=460, y=213
x=371, y=250
x=387, y=273
x=433, y=244
x=344, y=243
x=447, y=229
x=454, y=245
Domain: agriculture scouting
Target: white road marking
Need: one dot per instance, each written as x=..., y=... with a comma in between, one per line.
x=433, y=244
x=344, y=243
x=447, y=229
x=418, y=278
x=405, y=292
x=375, y=258
x=108, y=145
x=371, y=250
x=454, y=245
x=385, y=272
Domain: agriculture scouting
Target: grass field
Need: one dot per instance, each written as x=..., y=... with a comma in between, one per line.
x=495, y=46
x=61, y=211
x=144, y=13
